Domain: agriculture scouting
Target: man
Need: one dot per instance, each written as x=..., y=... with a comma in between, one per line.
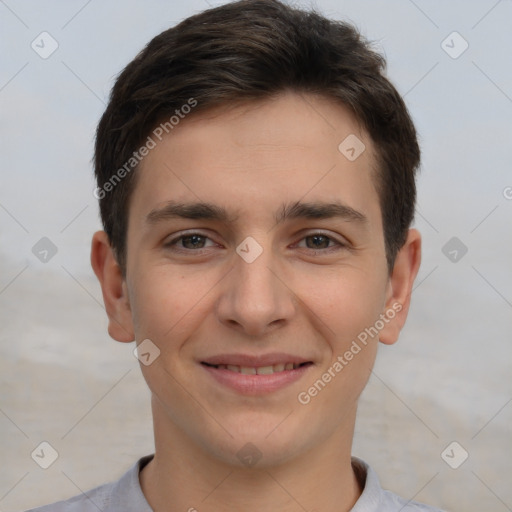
x=256, y=178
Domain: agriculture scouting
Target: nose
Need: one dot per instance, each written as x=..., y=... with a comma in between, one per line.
x=255, y=299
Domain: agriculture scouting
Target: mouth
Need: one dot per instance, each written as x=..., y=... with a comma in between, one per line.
x=249, y=375
x=258, y=370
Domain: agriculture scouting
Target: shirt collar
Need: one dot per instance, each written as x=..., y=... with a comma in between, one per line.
x=129, y=487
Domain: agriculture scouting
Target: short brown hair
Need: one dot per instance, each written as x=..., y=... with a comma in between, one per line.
x=251, y=50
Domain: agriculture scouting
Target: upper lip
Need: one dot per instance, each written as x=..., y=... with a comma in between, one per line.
x=252, y=361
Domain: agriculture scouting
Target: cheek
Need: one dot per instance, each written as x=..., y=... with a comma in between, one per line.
x=349, y=307
x=347, y=301
x=167, y=302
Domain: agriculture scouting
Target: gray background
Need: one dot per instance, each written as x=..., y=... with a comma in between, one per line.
x=64, y=381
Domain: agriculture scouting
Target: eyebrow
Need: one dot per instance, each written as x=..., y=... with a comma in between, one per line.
x=196, y=211
x=296, y=210
x=320, y=210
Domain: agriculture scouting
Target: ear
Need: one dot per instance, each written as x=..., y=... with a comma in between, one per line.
x=113, y=287
x=398, y=296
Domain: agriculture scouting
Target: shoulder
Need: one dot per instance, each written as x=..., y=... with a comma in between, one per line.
x=124, y=495
x=395, y=503
x=89, y=501
x=376, y=499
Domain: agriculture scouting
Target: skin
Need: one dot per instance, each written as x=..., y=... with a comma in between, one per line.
x=303, y=295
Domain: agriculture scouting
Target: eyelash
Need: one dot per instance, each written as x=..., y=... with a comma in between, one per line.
x=172, y=244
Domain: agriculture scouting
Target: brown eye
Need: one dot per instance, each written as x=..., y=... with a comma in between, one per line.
x=321, y=242
x=193, y=241
x=317, y=241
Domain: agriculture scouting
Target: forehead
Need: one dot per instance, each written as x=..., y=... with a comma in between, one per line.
x=255, y=155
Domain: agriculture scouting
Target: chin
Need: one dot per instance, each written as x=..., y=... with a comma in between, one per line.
x=259, y=445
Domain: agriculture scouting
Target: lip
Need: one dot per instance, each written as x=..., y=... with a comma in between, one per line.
x=255, y=384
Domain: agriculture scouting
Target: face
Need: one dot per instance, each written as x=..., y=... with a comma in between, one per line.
x=256, y=260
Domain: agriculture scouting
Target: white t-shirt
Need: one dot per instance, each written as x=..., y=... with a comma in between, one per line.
x=126, y=495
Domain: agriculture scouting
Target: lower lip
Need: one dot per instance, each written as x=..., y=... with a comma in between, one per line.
x=256, y=384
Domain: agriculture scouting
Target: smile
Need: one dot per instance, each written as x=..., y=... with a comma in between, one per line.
x=258, y=370
x=256, y=379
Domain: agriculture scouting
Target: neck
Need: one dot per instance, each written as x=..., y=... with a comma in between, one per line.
x=184, y=477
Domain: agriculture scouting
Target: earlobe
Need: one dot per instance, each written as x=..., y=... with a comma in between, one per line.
x=113, y=287
x=405, y=269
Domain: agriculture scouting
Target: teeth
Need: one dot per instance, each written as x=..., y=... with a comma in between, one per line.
x=261, y=370
x=264, y=370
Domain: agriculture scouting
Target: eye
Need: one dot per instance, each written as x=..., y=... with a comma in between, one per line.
x=321, y=241
x=189, y=242
x=195, y=242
